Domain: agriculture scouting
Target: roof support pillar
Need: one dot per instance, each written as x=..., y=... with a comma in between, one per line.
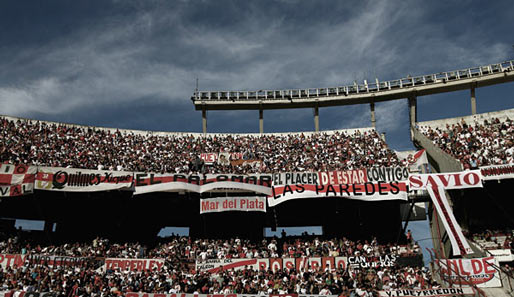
x=204, y=120
x=316, y=118
x=473, y=101
x=261, y=120
x=372, y=109
x=413, y=116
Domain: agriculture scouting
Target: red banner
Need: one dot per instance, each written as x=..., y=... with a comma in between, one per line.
x=126, y=265
x=209, y=158
x=12, y=260
x=343, y=177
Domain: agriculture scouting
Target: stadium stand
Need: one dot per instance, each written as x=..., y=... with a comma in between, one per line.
x=481, y=140
x=86, y=270
x=59, y=145
x=226, y=253
x=203, y=249
x=88, y=278
x=494, y=239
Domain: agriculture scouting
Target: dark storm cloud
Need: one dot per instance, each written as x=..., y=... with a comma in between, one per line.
x=133, y=64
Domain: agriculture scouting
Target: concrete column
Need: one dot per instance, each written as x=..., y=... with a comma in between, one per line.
x=473, y=101
x=204, y=120
x=316, y=118
x=372, y=109
x=261, y=120
x=413, y=117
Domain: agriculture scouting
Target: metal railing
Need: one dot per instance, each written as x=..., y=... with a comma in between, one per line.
x=365, y=88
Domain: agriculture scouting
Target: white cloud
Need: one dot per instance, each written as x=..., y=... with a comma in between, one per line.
x=35, y=96
x=91, y=69
x=392, y=115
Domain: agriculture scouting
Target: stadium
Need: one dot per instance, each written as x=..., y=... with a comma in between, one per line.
x=104, y=194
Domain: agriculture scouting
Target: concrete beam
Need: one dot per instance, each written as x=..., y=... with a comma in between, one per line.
x=361, y=98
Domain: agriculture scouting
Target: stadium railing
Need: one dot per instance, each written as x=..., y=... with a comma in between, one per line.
x=355, y=89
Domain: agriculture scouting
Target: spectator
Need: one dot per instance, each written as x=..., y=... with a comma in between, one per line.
x=490, y=142
x=58, y=145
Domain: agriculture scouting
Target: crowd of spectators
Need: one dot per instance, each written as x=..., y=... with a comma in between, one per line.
x=189, y=249
x=203, y=249
x=59, y=145
x=179, y=275
x=495, y=239
x=482, y=143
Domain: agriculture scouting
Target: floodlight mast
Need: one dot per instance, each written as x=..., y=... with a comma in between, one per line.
x=409, y=87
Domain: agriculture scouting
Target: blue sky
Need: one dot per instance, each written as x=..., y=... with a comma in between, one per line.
x=133, y=64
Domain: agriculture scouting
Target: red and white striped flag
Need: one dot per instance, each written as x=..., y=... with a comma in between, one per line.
x=16, y=180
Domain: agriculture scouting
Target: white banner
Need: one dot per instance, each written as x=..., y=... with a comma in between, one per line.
x=502, y=255
x=387, y=174
x=359, y=176
x=428, y=292
x=275, y=264
x=233, y=203
x=497, y=172
x=448, y=181
x=16, y=180
x=127, y=265
x=57, y=261
x=218, y=265
x=153, y=182
x=81, y=180
x=459, y=243
x=480, y=271
x=368, y=191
